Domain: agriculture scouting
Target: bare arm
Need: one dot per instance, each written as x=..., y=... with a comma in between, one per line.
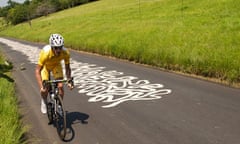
x=38, y=75
x=68, y=74
x=68, y=71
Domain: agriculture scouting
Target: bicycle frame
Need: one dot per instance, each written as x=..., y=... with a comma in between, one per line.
x=53, y=102
x=53, y=95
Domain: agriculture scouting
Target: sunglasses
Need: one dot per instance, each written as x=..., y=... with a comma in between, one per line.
x=57, y=47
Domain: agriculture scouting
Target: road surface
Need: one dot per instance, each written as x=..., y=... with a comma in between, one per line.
x=117, y=102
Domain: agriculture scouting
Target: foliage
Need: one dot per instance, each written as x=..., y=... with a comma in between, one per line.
x=16, y=13
x=44, y=9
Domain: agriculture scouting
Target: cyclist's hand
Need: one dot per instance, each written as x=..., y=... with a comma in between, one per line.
x=70, y=84
x=43, y=90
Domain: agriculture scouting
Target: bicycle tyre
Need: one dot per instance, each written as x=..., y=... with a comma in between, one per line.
x=50, y=112
x=61, y=123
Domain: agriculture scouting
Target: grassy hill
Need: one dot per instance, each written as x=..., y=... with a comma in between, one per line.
x=196, y=37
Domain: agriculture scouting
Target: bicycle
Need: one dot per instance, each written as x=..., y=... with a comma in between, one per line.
x=55, y=108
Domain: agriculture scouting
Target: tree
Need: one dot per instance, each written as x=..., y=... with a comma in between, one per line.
x=44, y=9
x=12, y=3
x=17, y=14
x=64, y=4
x=4, y=11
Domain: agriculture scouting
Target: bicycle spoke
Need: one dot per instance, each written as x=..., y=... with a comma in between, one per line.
x=50, y=112
x=56, y=114
x=61, y=120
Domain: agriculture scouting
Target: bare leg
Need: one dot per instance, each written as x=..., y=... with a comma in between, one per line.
x=61, y=90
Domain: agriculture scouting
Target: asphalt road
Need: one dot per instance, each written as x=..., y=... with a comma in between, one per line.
x=117, y=102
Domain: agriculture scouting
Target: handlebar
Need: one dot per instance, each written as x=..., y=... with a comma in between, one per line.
x=45, y=82
x=54, y=81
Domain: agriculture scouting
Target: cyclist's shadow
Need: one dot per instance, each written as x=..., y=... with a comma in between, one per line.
x=74, y=118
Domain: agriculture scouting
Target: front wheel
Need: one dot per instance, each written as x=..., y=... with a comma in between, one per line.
x=61, y=119
x=50, y=112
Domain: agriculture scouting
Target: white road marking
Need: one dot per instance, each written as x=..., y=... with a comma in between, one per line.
x=109, y=87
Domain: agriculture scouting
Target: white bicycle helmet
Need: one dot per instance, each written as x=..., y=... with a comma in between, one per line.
x=56, y=40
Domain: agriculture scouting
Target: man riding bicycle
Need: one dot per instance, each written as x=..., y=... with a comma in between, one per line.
x=50, y=61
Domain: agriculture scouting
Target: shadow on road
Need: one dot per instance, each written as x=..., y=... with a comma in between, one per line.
x=74, y=118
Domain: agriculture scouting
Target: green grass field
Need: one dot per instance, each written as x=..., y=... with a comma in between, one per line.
x=195, y=37
x=11, y=129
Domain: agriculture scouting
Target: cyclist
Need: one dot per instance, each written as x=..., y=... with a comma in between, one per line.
x=50, y=61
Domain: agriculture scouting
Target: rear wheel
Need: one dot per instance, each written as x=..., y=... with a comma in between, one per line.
x=61, y=119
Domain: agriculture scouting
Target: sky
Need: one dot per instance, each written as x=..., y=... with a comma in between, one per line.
x=4, y=2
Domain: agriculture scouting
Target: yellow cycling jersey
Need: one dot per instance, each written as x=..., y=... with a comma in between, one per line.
x=49, y=60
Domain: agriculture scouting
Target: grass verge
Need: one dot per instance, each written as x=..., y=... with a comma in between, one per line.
x=11, y=129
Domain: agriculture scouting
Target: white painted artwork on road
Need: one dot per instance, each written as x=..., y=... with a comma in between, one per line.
x=113, y=87
x=107, y=86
